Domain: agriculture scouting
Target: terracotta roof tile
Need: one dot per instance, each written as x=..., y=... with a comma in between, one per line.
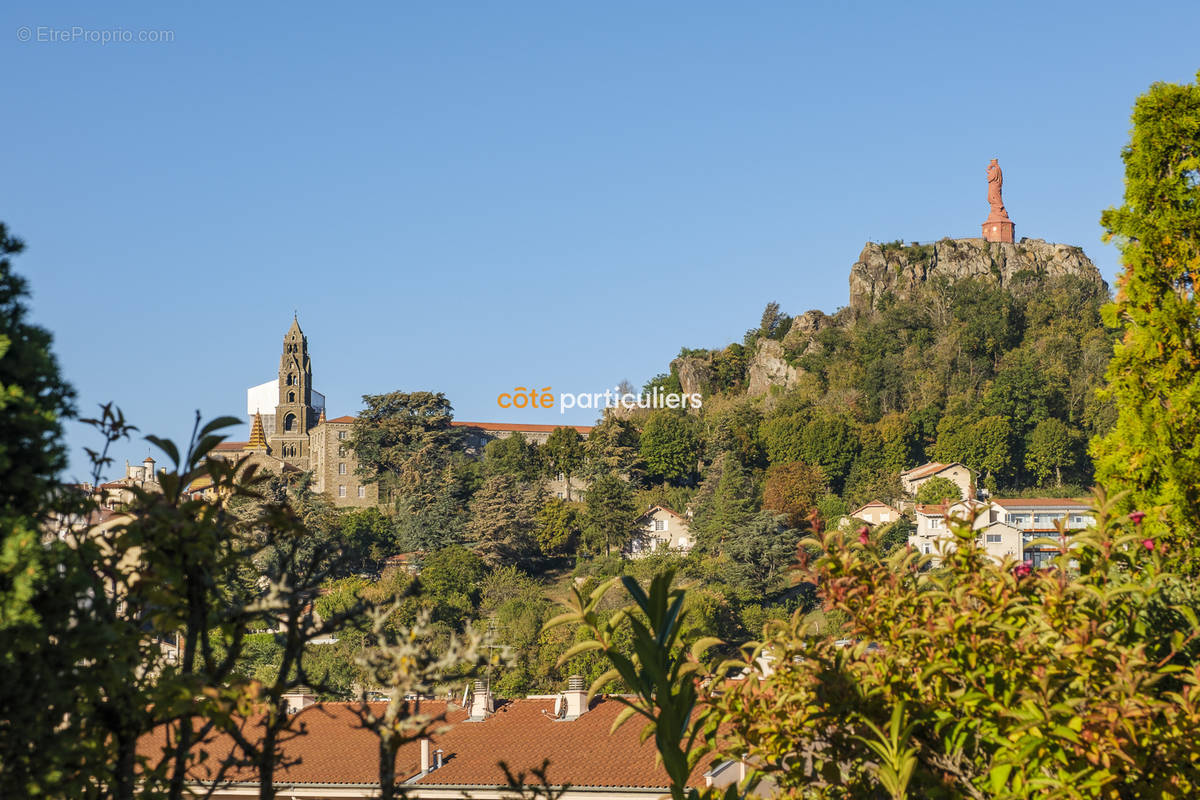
x=497, y=426
x=519, y=427
x=1041, y=502
x=336, y=750
x=652, y=509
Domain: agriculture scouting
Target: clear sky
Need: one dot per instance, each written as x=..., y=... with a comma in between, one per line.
x=468, y=197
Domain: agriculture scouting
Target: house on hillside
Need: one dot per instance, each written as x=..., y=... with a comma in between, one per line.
x=876, y=513
x=1006, y=527
x=911, y=480
x=660, y=529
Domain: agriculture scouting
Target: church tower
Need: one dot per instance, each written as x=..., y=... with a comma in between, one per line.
x=294, y=415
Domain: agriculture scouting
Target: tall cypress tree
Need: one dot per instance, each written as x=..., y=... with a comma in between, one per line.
x=1153, y=451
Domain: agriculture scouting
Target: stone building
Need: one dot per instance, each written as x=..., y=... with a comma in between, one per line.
x=290, y=433
x=660, y=529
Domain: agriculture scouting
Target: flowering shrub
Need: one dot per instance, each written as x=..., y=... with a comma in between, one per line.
x=979, y=679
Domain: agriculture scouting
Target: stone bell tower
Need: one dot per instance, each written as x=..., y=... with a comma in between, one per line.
x=294, y=415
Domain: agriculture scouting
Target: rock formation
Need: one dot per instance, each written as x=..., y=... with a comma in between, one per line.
x=899, y=270
x=768, y=368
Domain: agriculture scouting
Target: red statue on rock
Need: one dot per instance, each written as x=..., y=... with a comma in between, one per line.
x=998, y=227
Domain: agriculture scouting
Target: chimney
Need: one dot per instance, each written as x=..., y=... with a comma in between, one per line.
x=426, y=756
x=299, y=698
x=481, y=701
x=575, y=697
x=438, y=755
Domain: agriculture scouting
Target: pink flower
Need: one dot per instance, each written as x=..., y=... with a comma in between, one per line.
x=1148, y=544
x=1137, y=517
x=1023, y=569
x=863, y=535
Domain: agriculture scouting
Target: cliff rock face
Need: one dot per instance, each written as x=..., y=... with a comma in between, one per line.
x=768, y=368
x=695, y=375
x=898, y=270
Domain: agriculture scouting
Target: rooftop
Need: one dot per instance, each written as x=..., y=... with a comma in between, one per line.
x=335, y=749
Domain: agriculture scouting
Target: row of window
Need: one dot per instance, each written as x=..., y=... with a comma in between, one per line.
x=1047, y=520
x=362, y=491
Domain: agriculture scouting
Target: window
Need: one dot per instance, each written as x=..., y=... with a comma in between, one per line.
x=341, y=491
x=289, y=422
x=994, y=538
x=291, y=397
x=660, y=524
x=341, y=434
x=341, y=469
x=341, y=451
x=560, y=495
x=926, y=548
x=935, y=522
x=291, y=380
x=362, y=491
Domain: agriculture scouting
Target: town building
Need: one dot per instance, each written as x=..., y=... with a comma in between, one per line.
x=660, y=529
x=876, y=513
x=1005, y=527
x=119, y=493
x=911, y=480
x=290, y=432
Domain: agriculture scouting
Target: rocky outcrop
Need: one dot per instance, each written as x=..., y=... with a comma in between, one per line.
x=769, y=368
x=695, y=374
x=799, y=338
x=899, y=270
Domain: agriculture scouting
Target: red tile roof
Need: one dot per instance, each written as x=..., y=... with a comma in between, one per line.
x=1041, y=502
x=874, y=504
x=652, y=509
x=932, y=468
x=498, y=426
x=519, y=427
x=931, y=509
x=336, y=750
x=227, y=446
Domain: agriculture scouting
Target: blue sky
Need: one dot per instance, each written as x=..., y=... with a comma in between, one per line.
x=471, y=197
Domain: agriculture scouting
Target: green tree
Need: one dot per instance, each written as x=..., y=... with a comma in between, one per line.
x=726, y=499
x=556, y=527
x=34, y=400
x=782, y=437
x=670, y=447
x=613, y=449
x=512, y=455
x=610, y=514
x=451, y=579
x=1049, y=451
x=761, y=550
x=938, y=490
x=1153, y=451
x=406, y=444
x=564, y=454
x=503, y=520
